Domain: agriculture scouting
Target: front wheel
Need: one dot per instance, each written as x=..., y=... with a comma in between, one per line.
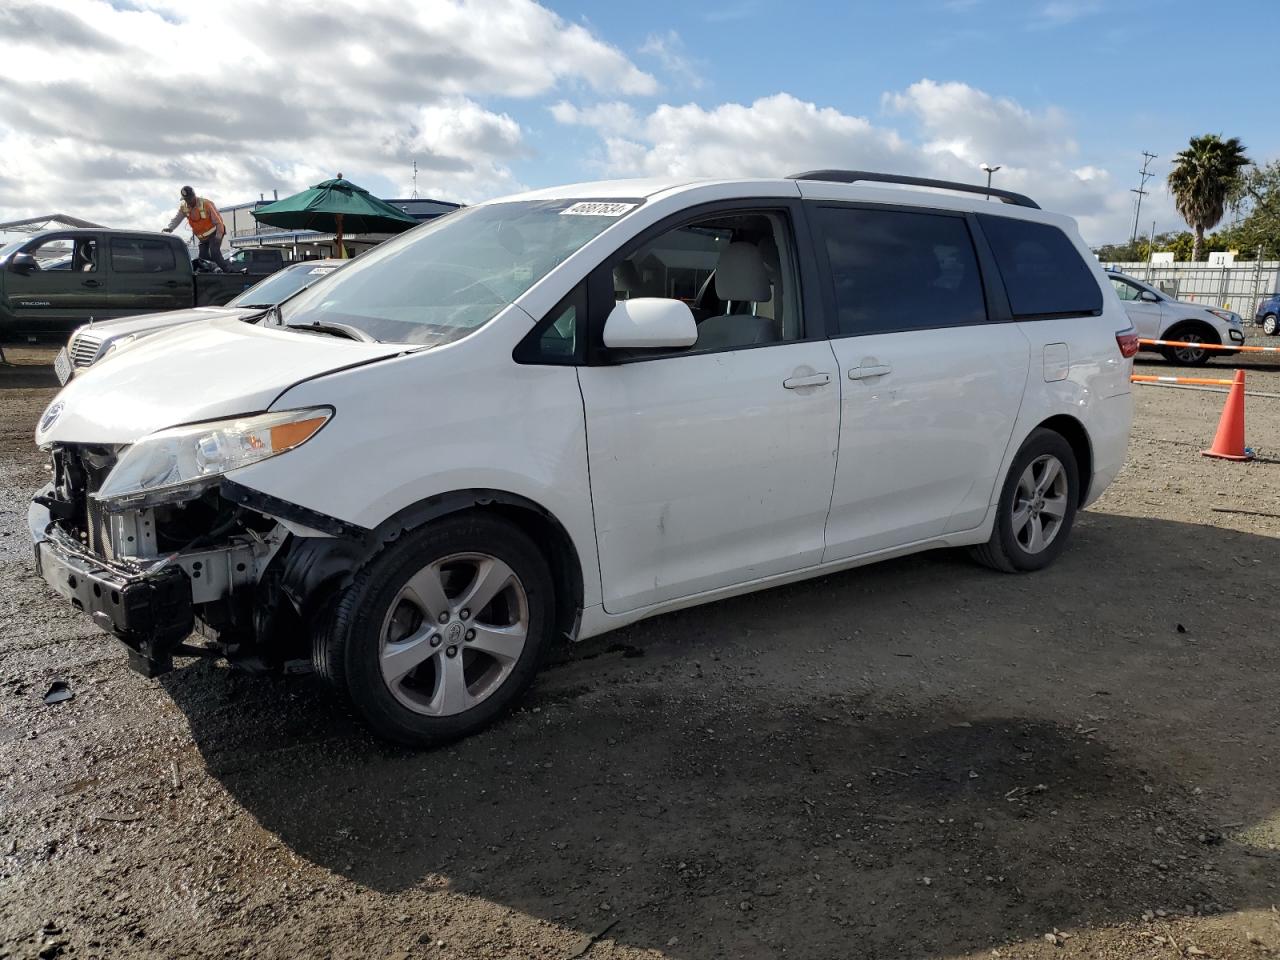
x=1193, y=355
x=1270, y=325
x=442, y=632
x=1037, y=506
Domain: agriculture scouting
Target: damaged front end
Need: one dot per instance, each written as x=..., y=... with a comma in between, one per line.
x=152, y=573
x=206, y=558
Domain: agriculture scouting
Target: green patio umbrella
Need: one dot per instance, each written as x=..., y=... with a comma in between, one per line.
x=335, y=206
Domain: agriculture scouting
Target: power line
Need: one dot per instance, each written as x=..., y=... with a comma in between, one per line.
x=1141, y=191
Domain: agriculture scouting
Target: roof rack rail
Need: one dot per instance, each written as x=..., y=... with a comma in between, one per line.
x=858, y=176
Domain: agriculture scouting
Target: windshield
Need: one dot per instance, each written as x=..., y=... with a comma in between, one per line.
x=441, y=281
x=12, y=247
x=281, y=285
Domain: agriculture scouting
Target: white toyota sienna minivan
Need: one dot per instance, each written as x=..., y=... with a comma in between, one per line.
x=557, y=413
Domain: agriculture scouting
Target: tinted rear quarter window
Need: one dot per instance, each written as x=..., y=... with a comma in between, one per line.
x=1042, y=271
x=897, y=270
x=141, y=255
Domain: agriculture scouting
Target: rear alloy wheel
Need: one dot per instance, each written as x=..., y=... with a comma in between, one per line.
x=1037, y=506
x=1189, y=356
x=442, y=632
x=1270, y=325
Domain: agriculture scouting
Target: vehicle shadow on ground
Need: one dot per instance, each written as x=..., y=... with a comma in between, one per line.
x=14, y=376
x=1269, y=362
x=671, y=781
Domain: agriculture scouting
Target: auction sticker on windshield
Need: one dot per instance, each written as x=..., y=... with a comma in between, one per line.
x=597, y=208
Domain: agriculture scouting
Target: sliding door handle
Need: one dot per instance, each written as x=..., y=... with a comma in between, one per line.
x=865, y=373
x=816, y=380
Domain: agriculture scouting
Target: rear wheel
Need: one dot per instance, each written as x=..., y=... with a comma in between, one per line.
x=1037, y=506
x=1192, y=356
x=1270, y=325
x=442, y=632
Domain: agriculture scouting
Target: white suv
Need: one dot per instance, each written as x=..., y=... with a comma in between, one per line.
x=558, y=413
x=1158, y=316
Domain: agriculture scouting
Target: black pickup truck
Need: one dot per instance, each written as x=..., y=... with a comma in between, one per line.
x=59, y=279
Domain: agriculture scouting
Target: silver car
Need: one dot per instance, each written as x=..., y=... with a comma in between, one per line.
x=1158, y=316
x=90, y=343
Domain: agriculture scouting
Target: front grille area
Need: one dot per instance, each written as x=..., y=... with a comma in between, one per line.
x=79, y=470
x=84, y=349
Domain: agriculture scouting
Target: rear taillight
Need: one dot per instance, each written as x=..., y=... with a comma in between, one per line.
x=1127, y=341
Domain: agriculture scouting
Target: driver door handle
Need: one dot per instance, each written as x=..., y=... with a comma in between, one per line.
x=816, y=380
x=874, y=370
x=90, y=283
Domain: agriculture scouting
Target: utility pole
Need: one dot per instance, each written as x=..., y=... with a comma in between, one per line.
x=1151, y=253
x=1146, y=175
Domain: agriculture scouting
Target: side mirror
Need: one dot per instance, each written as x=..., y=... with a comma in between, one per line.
x=23, y=263
x=650, y=323
x=1148, y=297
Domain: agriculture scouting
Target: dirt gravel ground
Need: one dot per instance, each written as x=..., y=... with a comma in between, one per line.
x=920, y=759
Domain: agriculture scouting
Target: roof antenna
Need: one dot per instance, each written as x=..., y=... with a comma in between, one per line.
x=414, y=195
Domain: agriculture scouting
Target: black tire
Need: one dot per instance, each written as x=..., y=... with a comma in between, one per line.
x=1271, y=325
x=348, y=647
x=1004, y=551
x=1193, y=330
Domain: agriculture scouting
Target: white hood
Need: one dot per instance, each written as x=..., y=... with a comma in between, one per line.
x=148, y=322
x=200, y=371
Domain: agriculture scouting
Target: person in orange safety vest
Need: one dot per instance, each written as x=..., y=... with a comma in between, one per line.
x=206, y=223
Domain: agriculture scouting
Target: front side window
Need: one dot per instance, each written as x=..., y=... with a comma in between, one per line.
x=447, y=278
x=736, y=271
x=70, y=254
x=896, y=270
x=1126, y=290
x=142, y=255
x=1043, y=273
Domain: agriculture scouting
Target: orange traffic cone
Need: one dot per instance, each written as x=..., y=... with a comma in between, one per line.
x=1229, y=442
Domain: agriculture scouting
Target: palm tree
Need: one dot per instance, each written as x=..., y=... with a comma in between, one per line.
x=1203, y=178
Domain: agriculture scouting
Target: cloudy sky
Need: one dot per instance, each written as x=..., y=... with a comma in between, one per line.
x=106, y=108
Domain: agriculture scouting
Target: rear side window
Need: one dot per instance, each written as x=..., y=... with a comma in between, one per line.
x=1042, y=271
x=897, y=270
x=140, y=255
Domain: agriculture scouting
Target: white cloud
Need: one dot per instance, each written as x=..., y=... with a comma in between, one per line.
x=616, y=117
x=950, y=129
x=106, y=109
x=775, y=135
x=669, y=50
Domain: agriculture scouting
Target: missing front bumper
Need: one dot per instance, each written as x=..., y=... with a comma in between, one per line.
x=150, y=613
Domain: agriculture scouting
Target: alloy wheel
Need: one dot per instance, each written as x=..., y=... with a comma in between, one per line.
x=453, y=634
x=1190, y=354
x=1040, y=503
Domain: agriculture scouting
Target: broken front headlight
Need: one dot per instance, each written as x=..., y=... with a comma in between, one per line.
x=186, y=460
